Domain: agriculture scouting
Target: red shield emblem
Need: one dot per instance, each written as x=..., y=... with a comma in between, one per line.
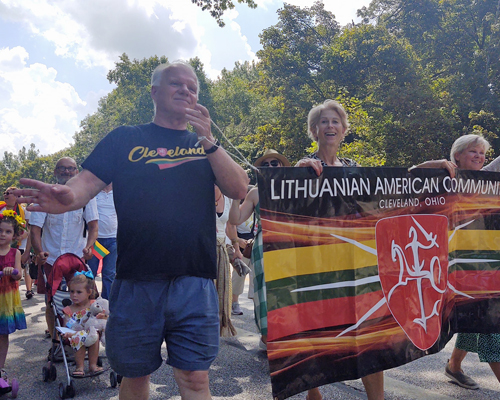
x=413, y=269
x=161, y=151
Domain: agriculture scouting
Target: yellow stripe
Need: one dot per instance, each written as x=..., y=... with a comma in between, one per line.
x=475, y=240
x=280, y=264
x=101, y=247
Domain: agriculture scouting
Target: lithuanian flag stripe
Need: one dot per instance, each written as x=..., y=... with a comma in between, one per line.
x=321, y=314
x=99, y=250
x=279, y=264
x=349, y=283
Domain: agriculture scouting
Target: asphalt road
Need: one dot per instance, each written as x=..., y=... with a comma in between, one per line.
x=239, y=372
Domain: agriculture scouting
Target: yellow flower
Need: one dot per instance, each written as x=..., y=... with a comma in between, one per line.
x=9, y=213
x=12, y=214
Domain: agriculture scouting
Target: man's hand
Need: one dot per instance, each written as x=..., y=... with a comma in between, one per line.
x=45, y=197
x=199, y=118
x=87, y=253
x=41, y=258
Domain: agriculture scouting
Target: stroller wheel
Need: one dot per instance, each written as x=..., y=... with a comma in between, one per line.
x=113, y=380
x=45, y=374
x=70, y=389
x=15, y=388
x=62, y=392
x=52, y=373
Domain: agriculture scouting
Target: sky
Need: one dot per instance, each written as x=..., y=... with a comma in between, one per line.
x=55, y=54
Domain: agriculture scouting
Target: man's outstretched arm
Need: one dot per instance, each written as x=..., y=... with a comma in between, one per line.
x=57, y=199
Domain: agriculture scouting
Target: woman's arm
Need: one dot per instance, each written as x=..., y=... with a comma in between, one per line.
x=448, y=165
x=240, y=213
x=232, y=234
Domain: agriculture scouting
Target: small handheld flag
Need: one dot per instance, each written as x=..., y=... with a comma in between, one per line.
x=99, y=250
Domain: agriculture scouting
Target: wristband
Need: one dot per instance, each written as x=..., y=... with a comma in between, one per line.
x=214, y=148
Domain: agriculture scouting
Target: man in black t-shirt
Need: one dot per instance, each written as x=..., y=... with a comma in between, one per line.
x=163, y=178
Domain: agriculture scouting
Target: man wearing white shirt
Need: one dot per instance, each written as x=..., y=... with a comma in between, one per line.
x=62, y=233
x=108, y=225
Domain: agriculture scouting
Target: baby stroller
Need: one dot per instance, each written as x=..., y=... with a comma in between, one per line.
x=58, y=297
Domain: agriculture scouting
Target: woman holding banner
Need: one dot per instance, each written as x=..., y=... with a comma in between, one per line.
x=468, y=152
x=327, y=126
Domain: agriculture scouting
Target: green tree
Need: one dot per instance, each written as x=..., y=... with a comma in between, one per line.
x=239, y=109
x=458, y=45
x=383, y=72
x=27, y=163
x=290, y=62
x=218, y=7
x=307, y=58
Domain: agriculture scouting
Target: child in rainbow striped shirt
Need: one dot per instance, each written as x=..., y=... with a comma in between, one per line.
x=11, y=311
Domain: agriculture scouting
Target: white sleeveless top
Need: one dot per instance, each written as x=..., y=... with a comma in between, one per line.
x=222, y=220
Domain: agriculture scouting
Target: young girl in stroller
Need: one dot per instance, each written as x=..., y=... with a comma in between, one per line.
x=81, y=289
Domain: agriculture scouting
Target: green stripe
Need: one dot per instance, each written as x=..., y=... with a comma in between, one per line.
x=478, y=255
x=101, y=252
x=279, y=293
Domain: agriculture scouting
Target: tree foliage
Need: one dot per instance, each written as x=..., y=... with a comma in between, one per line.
x=218, y=7
x=413, y=76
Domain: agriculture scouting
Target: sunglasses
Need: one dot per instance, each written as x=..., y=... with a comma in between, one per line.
x=62, y=169
x=273, y=163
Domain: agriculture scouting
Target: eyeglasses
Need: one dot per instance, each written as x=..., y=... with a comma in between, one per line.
x=273, y=163
x=63, y=168
x=7, y=193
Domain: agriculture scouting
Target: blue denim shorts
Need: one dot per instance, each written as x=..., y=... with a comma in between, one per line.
x=183, y=312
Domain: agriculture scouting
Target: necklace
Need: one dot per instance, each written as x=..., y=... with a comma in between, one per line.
x=217, y=201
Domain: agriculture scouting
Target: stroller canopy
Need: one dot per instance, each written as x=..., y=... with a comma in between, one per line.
x=65, y=267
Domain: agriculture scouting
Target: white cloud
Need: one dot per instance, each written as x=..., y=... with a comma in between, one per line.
x=34, y=106
x=95, y=33
x=37, y=107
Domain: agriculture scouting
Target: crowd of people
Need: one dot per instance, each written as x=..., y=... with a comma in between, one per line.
x=153, y=187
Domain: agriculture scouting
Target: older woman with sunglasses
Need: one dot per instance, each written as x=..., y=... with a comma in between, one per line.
x=239, y=214
x=327, y=126
x=10, y=202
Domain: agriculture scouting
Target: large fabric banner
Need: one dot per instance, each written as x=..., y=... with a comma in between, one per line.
x=371, y=268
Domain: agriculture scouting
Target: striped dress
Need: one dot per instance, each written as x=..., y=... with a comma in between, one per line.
x=486, y=345
x=11, y=311
x=259, y=297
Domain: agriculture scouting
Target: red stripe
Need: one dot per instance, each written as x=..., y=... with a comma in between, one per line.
x=323, y=314
x=97, y=254
x=475, y=280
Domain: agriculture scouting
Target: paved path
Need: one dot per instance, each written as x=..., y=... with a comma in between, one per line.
x=240, y=372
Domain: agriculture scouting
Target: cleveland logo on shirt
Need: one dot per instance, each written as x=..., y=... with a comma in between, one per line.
x=166, y=158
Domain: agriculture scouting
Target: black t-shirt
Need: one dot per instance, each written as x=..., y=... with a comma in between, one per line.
x=163, y=188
